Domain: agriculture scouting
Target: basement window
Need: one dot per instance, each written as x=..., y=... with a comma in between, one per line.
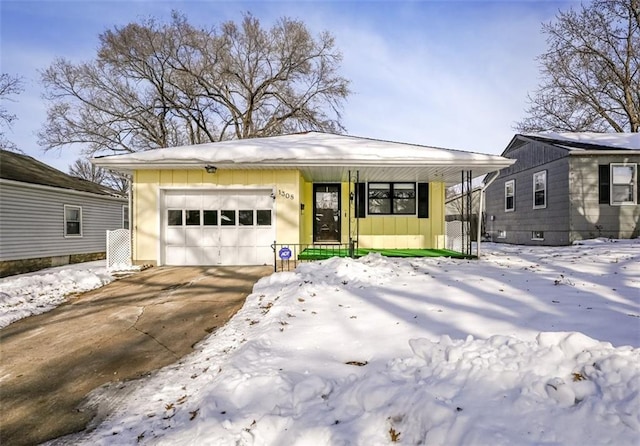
x=537, y=235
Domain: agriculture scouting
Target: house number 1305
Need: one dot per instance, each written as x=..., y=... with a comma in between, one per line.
x=284, y=194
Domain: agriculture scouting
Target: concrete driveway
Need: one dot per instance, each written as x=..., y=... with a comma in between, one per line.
x=122, y=331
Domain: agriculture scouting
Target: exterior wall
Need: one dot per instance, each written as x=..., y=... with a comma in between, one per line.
x=148, y=184
x=519, y=224
x=403, y=232
x=32, y=226
x=293, y=210
x=589, y=218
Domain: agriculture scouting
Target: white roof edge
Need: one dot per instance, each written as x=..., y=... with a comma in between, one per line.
x=198, y=164
x=632, y=152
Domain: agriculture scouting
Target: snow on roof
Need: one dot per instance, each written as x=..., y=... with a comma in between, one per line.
x=612, y=140
x=302, y=149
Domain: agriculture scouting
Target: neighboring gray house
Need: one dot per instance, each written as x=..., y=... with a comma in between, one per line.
x=49, y=218
x=565, y=187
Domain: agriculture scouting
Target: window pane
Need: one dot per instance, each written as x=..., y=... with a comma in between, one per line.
x=378, y=206
x=193, y=218
x=245, y=218
x=227, y=218
x=404, y=190
x=622, y=174
x=73, y=214
x=379, y=190
x=264, y=217
x=539, y=198
x=174, y=217
x=621, y=194
x=509, y=203
x=404, y=206
x=210, y=218
x=73, y=227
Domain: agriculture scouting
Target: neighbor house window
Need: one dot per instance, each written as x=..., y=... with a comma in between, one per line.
x=537, y=235
x=509, y=195
x=125, y=217
x=392, y=198
x=623, y=183
x=540, y=190
x=502, y=234
x=72, y=221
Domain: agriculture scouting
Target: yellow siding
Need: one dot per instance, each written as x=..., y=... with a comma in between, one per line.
x=146, y=207
x=407, y=232
x=293, y=225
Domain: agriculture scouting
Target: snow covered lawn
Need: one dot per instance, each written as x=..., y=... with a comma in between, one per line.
x=527, y=346
x=38, y=292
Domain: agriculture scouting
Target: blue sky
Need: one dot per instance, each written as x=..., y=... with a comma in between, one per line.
x=451, y=74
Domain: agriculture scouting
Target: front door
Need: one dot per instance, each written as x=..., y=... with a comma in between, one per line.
x=326, y=213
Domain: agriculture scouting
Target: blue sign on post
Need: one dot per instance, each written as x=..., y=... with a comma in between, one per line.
x=284, y=253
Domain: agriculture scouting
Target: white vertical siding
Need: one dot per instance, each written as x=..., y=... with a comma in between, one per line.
x=32, y=221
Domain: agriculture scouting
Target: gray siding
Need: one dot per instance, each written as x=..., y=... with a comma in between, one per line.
x=589, y=218
x=520, y=223
x=32, y=222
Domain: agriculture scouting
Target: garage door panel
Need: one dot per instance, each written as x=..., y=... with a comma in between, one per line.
x=175, y=255
x=264, y=237
x=174, y=201
x=211, y=256
x=175, y=236
x=210, y=236
x=193, y=236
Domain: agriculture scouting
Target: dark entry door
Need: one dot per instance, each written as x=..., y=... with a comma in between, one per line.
x=326, y=213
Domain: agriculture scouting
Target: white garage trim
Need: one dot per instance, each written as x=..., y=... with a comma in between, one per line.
x=198, y=234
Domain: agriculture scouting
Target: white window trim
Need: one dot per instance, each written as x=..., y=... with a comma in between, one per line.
x=68, y=206
x=513, y=183
x=125, y=216
x=634, y=180
x=544, y=174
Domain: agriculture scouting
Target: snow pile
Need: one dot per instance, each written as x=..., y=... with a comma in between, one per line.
x=34, y=293
x=528, y=346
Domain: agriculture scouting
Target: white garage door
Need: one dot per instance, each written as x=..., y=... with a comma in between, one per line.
x=218, y=227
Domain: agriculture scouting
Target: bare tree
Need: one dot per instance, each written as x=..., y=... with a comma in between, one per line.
x=9, y=86
x=158, y=85
x=590, y=72
x=83, y=168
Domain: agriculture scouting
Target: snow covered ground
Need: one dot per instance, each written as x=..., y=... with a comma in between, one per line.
x=527, y=346
x=34, y=293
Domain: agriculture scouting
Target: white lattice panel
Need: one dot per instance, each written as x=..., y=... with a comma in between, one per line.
x=118, y=248
x=454, y=235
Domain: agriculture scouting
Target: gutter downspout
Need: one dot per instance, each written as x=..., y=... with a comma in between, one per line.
x=480, y=212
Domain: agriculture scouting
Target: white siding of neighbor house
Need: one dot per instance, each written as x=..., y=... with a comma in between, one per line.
x=32, y=221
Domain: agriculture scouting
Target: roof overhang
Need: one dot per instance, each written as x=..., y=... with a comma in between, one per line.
x=319, y=157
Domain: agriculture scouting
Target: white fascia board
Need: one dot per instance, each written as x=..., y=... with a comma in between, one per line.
x=628, y=152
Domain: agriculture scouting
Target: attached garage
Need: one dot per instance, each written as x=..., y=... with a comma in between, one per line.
x=217, y=227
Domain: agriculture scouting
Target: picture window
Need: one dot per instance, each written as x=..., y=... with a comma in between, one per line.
x=392, y=198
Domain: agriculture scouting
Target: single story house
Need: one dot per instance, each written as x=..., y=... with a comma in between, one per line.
x=232, y=202
x=565, y=187
x=49, y=218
